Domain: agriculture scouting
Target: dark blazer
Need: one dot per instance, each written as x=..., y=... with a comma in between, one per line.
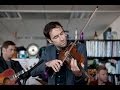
x=15, y=65
x=50, y=54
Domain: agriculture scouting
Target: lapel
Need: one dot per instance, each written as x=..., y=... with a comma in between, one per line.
x=13, y=65
x=52, y=52
x=3, y=63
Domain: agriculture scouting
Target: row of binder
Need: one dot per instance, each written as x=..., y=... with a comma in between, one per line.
x=103, y=48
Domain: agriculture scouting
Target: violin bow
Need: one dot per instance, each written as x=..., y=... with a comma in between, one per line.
x=83, y=27
x=81, y=31
x=89, y=19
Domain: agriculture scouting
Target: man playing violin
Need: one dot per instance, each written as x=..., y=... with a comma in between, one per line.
x=56, y=70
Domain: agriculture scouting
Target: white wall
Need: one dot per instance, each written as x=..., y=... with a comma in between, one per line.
x=100, y=36
x=25, y=28
x=26, y=42
x=116, y=26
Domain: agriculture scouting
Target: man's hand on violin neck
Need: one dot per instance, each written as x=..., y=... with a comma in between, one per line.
x=55, y=64
x=74, y=67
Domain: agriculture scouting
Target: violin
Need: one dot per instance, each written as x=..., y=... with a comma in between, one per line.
x=71, y=52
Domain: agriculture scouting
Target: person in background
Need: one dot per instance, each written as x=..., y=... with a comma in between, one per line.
x=9, y=67
x=101, y=77
x=57, y=71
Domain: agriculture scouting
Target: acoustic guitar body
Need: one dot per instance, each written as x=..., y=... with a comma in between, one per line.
x=5, y=77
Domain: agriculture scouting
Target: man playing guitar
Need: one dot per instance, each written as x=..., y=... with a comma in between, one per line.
x=9, y=67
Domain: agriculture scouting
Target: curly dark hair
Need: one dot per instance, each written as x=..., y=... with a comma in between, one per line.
x=49, y=27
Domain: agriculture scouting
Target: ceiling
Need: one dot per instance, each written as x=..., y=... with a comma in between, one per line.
x=28, y=21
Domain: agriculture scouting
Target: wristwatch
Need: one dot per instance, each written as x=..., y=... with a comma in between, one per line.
x=32, y=49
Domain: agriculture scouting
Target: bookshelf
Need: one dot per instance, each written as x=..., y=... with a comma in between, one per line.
x=103, y=51
x=103, y=48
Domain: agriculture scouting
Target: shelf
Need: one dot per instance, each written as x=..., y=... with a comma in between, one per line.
x=116, y=58
x=97, y=48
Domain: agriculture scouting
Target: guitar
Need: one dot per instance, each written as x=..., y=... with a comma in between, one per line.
x=9, y=77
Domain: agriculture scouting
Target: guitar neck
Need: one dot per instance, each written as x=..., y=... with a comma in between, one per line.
x=15, y=76
x=30, y=68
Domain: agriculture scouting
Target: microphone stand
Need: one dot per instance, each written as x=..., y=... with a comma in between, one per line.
x=25, y=79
